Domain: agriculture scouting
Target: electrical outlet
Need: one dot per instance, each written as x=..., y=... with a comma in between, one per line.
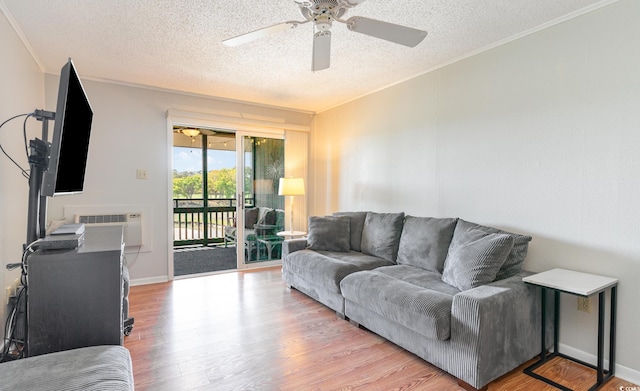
x=584, y=304
x=142, y=173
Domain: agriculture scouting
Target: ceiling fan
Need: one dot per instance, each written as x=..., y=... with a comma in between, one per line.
x=323, y=13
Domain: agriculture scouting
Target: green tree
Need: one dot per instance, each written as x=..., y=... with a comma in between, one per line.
x=225, y=182
x=182, y=174
x=248, y=180
x=212, y=177
x=187, y=186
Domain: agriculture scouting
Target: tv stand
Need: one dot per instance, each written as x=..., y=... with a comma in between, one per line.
x=38, y=164
x=75, y=296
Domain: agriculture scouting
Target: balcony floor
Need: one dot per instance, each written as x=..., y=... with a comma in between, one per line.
x=196, y=260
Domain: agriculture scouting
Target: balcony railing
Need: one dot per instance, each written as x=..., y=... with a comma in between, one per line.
x=196, y=223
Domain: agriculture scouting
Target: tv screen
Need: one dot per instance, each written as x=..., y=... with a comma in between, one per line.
x=70, y=142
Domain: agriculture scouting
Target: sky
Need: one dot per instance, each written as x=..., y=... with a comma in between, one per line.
x=190, y=159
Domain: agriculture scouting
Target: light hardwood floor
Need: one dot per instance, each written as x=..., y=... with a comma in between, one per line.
x=246, y=331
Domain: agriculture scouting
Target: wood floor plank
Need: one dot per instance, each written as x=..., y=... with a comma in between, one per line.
x=246, y=331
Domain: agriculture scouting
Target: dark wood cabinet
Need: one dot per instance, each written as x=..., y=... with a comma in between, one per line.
x=75, y=296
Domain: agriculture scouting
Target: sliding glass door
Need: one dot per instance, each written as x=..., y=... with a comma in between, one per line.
x=203, y=202
x=260, y=208
x=226, y=209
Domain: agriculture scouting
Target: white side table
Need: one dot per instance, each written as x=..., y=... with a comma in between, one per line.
x=585, y=285
x=291, y=234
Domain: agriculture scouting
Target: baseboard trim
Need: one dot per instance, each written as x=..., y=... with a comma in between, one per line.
x=622, y=372
x=150, y=280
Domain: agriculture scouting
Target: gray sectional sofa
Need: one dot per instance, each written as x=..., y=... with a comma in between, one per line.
x=445, y=289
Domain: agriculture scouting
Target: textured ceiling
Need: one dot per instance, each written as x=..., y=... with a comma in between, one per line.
x=176, y=44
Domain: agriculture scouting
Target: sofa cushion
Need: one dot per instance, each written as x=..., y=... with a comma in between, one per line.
x=250, y=217
x=266, y=216
x=516, y=257
x=356, y=223
x=419, y=277
x=329, y=233
x=475, y=258
x=326, y=270
x=364, y=261
x=423, y=310
x=381, y=234
x=425, y=242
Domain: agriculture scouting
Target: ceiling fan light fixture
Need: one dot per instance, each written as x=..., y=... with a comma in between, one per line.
x=190, y=132
x=323, y=22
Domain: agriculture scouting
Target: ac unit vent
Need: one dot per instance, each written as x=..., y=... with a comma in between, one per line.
x=132, y=223
x=101, y=219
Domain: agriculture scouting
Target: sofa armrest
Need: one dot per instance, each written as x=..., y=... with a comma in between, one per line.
x=106, y=367
x=497, y=325
x=292, y=245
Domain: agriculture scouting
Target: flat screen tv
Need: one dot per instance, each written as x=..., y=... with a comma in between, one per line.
x=70, y=142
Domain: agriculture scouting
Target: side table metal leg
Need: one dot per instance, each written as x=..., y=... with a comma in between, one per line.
x=612, y=331
x=600, y=363
x=543, y=332
x=556, y=321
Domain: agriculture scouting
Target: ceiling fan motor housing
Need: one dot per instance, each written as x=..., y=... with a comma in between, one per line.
x=316, y=4
x=322, y=12
x=319, y=7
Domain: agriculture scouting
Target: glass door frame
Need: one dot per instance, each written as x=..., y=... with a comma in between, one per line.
x=233, y=124
x=241, y=137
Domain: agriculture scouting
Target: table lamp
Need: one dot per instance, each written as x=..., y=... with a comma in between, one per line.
x=291, y=187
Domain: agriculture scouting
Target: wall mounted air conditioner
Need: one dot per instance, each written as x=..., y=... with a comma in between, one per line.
x=132, y=223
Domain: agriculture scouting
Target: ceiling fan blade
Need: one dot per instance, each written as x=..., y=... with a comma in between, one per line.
x=254, y=35
x=406, y=36
x=321, y=50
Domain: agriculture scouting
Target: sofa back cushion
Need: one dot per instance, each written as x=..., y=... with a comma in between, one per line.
x=266, y=216
x=250, y=217
x=381, y=235
x=329, y=233
x=356, y=223
x=515, y=259
x=425, y=242
x=475, y=258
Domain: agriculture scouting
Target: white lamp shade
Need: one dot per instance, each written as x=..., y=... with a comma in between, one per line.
x=291, y=186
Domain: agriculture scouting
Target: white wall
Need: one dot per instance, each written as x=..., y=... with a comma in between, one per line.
x=22, y=90
x=538, y=136
x=130, y=132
